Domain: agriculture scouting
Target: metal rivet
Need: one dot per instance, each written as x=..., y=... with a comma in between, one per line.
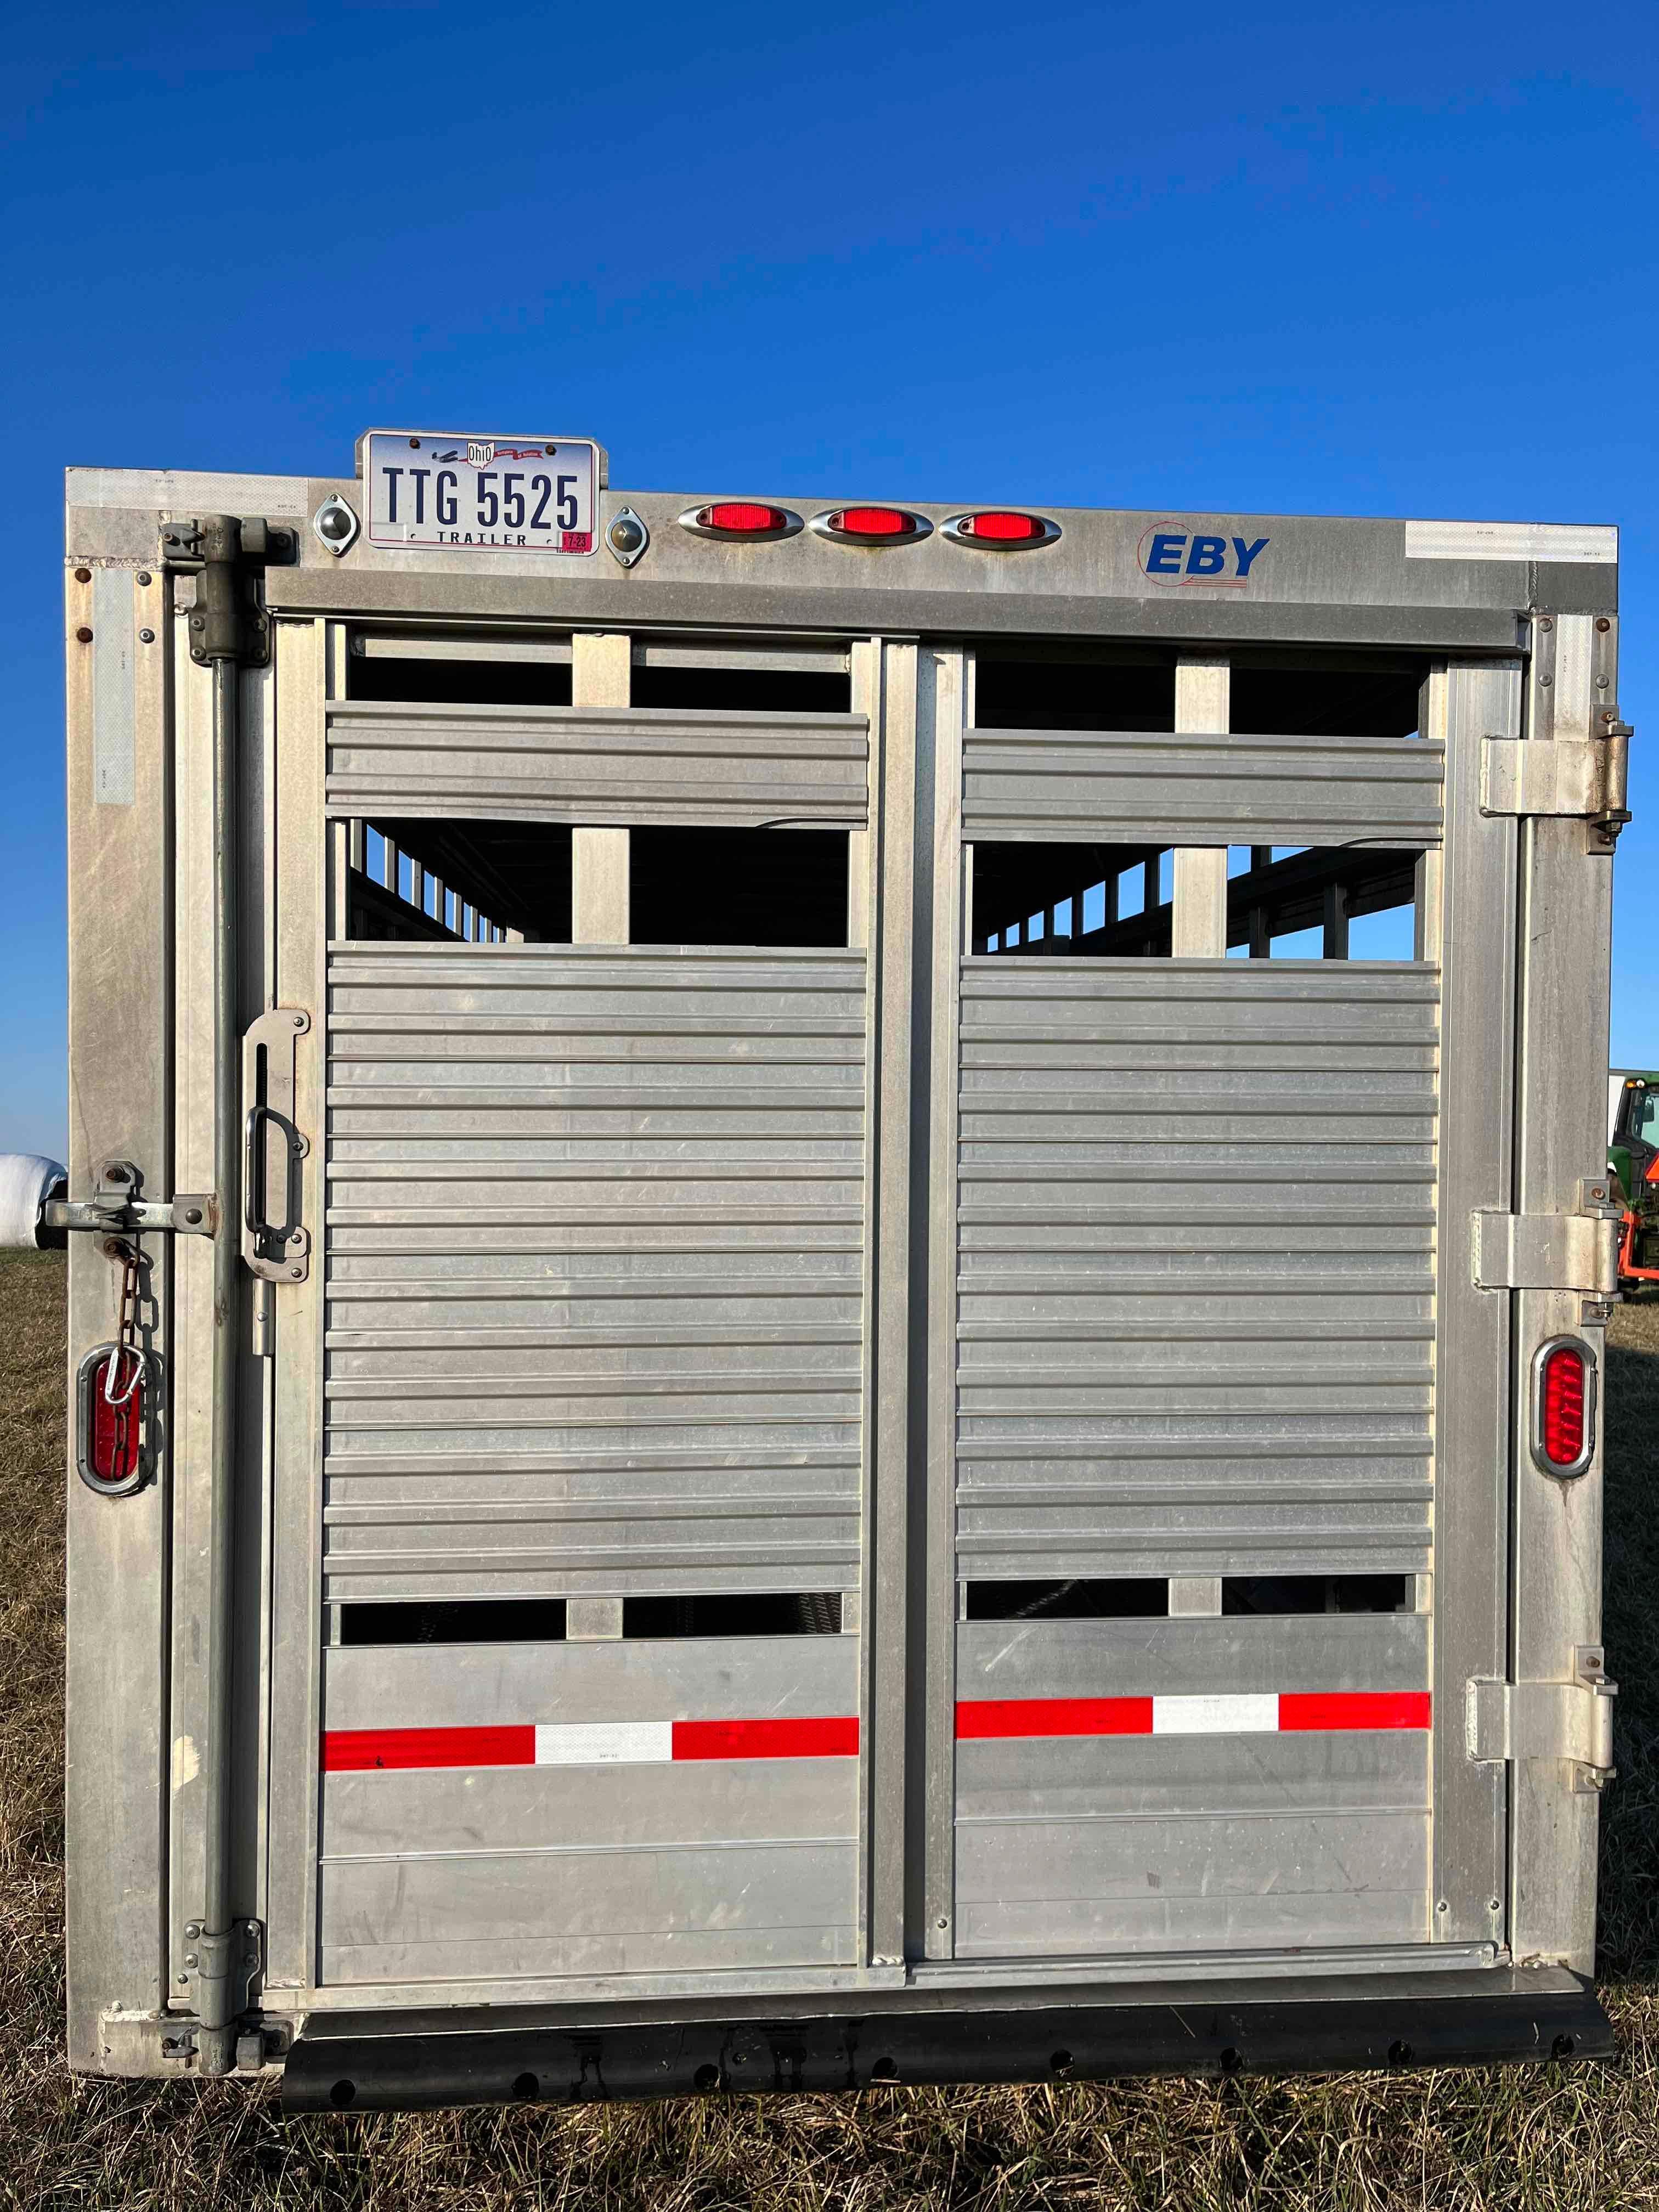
x=199, y=622
x=144, y=576
x=146, y=637
x=84, y=635
x=192, y=1930
x=1443, y=1906
x=184, y=1981
x=190, y=1958
x=1545, y=623
x=1602, y=683
x=415, y=443
x=1602, y=624
x=1546, y=679
x=1496, y=1904
x=193, y=1214
x=83, y=575
x=296, y=1272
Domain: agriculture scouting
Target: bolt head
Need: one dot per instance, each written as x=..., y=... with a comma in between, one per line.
x=84, y=635
x=1602, y=624
x=144, y=576
x=146, y=637
x=83, y=575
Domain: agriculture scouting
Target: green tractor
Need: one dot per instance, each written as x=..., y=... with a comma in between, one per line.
x=1633, y=1164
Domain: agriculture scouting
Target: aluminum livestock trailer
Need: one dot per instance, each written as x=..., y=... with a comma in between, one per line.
x=837, y=1282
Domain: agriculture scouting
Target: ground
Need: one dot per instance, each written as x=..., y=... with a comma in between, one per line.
x=1560, y=2138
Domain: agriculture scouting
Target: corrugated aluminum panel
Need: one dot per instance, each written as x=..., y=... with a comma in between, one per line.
x=1081, y=1844
x=1134, y=787
x=598, y=765
x=595, y=1252
x=1196, y=1291
x=480, y=1870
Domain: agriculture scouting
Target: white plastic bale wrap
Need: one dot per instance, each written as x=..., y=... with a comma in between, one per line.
x=26, y=1181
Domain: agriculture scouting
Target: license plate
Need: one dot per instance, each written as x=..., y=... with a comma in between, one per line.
x=496, y=495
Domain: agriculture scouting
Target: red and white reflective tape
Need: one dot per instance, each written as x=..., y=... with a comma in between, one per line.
x=1269, y=1712
x=652, y=1743
x=590, y=1743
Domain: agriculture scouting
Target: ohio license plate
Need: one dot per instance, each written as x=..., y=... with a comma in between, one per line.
x=499, y=495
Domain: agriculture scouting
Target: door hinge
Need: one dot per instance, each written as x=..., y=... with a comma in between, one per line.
x=1570, y=1720
x=226, y=1968
x=225, y=621
x=118, y=1209
x=1551, y=1251
x=1584, y=777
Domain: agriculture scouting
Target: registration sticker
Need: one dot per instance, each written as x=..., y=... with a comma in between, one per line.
x=447, y=490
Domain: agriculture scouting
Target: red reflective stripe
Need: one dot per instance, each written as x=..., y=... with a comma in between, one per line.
x=822, y=1737
x=353, y=1751
x=1353, y=1709
x=979, y=1718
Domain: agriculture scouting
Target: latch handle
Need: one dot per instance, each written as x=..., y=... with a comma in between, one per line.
x=278, y=1250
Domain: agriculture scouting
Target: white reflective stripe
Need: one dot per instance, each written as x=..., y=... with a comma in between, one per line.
x=186, y=491
x=1511, y=541
x=1255, y=1715
x=603, y=1743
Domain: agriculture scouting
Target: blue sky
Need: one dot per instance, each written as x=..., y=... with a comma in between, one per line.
x=1287, y=258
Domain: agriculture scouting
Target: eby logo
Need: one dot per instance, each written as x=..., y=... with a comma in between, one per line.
x=1173, y=553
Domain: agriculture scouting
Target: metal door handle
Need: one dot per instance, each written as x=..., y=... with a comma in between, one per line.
x=280, y=1251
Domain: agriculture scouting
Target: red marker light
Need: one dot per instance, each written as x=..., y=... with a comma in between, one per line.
x=873, y=525
x=113, y=1442
x=1007, y=528
x=1001, y=530
x=1564, y=1406
x=874, y=522
x=740, y=517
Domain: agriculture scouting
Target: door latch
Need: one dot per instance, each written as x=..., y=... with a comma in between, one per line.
x=118, y=1209
x=275, y=1243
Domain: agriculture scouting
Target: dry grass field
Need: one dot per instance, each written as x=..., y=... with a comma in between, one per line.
x=1557, y=2138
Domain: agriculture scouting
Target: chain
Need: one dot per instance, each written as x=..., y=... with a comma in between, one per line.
x=126, y=1346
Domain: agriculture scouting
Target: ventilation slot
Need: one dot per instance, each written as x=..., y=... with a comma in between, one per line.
x=1099, y=902
x=1109, y=1599
x=744, y=691
x=738, y=887
x=456, y=1621
x=476, y=882
x=1317, y=902
x=1352, y=696
x=810, y=1613
x=461, y=671
x=1279, y=1594
x=1040, y=693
